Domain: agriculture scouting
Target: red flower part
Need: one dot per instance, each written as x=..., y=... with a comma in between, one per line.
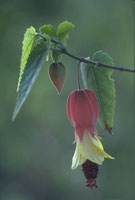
x=57, y=74
x=82, y=111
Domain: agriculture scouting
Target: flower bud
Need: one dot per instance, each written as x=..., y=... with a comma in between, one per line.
x=57, y=73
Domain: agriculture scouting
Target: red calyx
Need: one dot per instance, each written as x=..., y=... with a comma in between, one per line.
x=82, y=110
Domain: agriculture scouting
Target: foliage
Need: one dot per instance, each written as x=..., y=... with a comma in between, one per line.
x=31, y=71
x=33, y=57
x=25, y=143
x=99, y=79
x=63, y=30
x=28, y=41
x=48, y=30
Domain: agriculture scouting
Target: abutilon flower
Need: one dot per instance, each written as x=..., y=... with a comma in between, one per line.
x=82, y=111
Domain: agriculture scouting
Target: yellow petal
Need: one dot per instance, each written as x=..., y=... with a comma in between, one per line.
x=89, y=148
x=77, y=159
x=100, y=146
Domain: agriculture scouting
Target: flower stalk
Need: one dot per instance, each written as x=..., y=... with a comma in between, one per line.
x=78, y=76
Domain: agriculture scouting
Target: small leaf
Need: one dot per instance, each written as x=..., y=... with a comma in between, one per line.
x=48, y=29
x=32, y=69
x=99, y=79
x=28, y=41
x=57, y=73
x=63, y=30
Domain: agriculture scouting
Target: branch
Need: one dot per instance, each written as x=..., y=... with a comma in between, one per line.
x=61, y=48
x=98, y=64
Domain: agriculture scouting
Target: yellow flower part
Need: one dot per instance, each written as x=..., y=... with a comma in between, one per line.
x=89, y=148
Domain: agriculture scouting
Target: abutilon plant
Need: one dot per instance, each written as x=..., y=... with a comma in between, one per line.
x=84, y=106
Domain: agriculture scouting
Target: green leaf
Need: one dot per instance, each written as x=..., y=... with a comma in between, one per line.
x=28, y=41
x=32, y=69
x=48, y=29
x=63, y=30
x=99, y=79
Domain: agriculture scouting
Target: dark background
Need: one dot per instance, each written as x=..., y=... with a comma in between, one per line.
x=36, y=150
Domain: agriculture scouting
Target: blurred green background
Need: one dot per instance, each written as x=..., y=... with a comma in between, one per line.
x=36, y=150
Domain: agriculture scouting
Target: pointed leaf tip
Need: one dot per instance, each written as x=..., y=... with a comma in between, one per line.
x=109, y=129
x=31, y=72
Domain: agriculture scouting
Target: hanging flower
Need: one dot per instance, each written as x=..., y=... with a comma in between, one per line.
x=82, y=111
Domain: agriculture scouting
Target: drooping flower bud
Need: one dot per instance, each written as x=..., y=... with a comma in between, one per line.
x=57, y=73
x=82, y=111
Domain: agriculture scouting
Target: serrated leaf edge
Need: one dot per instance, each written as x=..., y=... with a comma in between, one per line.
x=23, y=55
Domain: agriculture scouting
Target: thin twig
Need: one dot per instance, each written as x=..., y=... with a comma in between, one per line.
x=61, y=48
x=98, y=64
